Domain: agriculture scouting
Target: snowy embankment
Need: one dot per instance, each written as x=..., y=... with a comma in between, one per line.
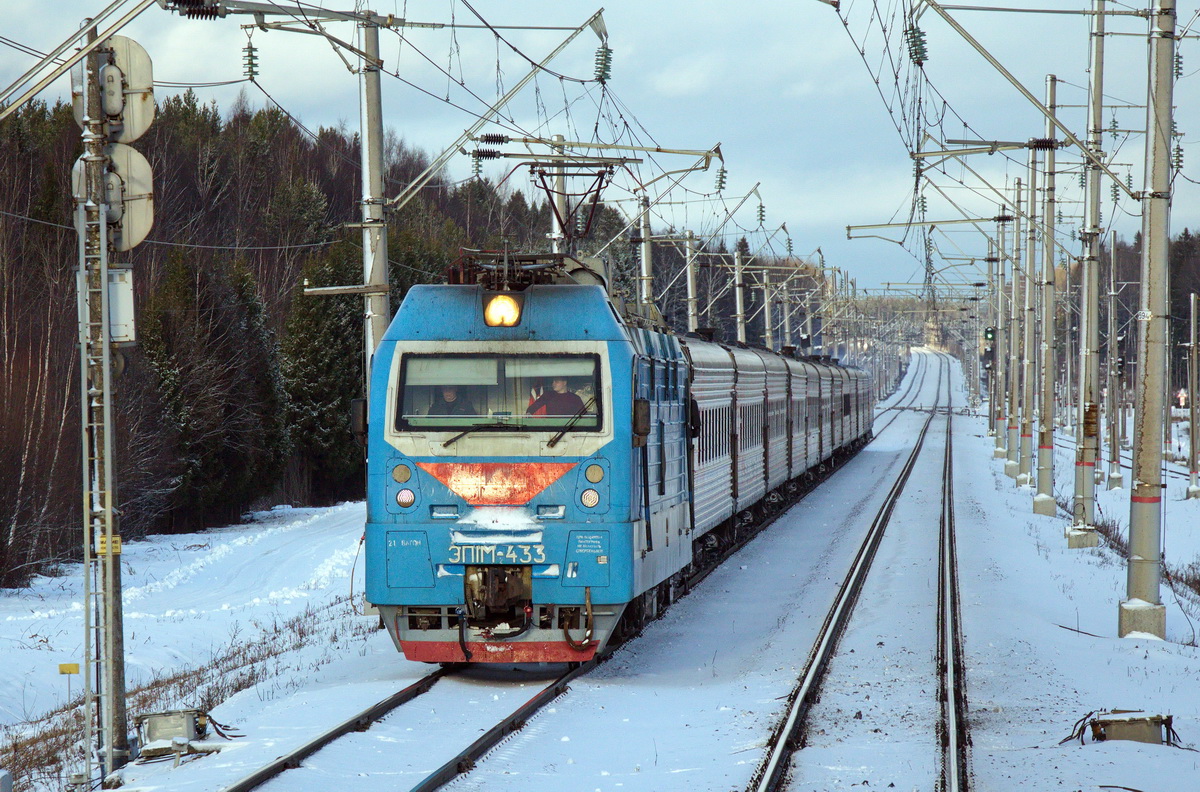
x=687, y=705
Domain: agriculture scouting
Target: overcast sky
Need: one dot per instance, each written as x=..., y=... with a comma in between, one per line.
x=780, y=85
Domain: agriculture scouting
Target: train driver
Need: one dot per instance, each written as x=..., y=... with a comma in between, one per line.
x=449, y=402
x=559, y=401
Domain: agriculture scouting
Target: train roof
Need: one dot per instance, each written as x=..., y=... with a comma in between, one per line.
x=558, y=312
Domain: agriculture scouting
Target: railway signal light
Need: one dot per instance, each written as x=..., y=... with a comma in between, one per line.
x=989, y=334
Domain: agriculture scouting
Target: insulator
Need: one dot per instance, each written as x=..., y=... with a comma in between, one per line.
x=1129, y=181
x=476, y=166
x=762, y=214
x=922, y=204
x=914, y=37
x=603, y=64
x=494, y=138
x=721, y=174
x=1112, y=126
x=1177, y=157
x=1082, y=180
x=580, y=223
x=1116, y=193
x=250, y=60
x=789, y=246
x=1178, y=64
x=1043, y=144
x=485, y=154
x=200, y=9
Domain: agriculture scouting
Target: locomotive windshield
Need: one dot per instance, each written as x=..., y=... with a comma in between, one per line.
x=498, y=392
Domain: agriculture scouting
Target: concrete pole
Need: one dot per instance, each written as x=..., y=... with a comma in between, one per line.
x=1142, y=609
x=101, y=530
x=1193, y=490
x=739, y=296
x=1087, y=430
x=1116, y=479
x=693, y=299
x=1043, y=501
x=376, y=307
x=558, y=231
x=768, y=319
x=1016, y=315
x=1028, y=349
x=646, y=276
x=1000, y=361
x=786, y=303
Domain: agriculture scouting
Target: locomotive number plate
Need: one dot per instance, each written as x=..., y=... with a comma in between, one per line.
x=497, y=554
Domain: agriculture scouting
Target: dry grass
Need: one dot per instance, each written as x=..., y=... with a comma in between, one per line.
x=37, y=752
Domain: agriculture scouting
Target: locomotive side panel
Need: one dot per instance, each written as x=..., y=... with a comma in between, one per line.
x=661, y=495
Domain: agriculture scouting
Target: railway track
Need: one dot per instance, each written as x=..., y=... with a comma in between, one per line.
x=952, y=727
x=917, y=380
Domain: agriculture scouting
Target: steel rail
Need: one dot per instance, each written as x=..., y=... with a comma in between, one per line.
x=357, y=723
x=897, y=406
x=953, y=724
x=465, y=760
x=785, y=739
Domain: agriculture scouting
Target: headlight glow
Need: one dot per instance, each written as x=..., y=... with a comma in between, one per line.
x=502, y=311
x=589, y=498
x=406, y=498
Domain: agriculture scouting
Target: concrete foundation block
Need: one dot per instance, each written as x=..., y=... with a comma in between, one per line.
x=1082, y=538
x=1024, y=480
x=1139, y=616
x=1044, y=504
x=1193, y=492
x=1116, y=480
x=1000, y=453
x=1011, y=469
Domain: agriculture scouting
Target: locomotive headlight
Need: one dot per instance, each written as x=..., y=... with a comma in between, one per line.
x=406, y=498
x=401, y=473
x=594, y=473
x=589, y=498
x=502, y=310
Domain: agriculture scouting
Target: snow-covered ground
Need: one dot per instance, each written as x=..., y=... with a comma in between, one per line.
x=689, y=704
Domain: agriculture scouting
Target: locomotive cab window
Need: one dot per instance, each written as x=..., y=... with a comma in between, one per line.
x=526, y=392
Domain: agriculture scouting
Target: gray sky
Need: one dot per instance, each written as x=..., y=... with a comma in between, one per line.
x=780, y=85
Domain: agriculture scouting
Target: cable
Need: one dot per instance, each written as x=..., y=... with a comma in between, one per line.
x=183, y=244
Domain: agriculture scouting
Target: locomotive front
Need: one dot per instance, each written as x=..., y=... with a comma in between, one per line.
x=498, y=508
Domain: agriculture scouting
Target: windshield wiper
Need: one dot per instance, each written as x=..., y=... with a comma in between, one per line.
x=474, y=428
x=571, y=423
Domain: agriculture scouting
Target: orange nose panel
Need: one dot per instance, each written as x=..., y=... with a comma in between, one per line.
x=497, y=483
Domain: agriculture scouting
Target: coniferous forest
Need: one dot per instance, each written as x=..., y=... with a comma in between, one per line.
x=237, y=393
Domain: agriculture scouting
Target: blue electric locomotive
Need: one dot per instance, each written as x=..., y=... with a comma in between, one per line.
x=544, y=466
